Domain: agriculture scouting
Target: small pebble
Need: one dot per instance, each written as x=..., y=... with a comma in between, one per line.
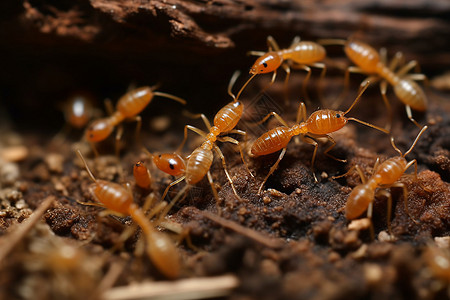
x=55, y=162
x=14, y=153
x=359, y=224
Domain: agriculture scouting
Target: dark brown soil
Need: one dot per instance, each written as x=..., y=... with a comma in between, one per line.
x=292, y=241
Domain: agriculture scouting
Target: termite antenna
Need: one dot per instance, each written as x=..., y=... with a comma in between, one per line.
x=232, y=82
x=413, y=144
x=175, y=98
x=150, y=155
x=242, y=88
x=85, y=165
x=327, y=42
x=155, y=87
x=358, y=97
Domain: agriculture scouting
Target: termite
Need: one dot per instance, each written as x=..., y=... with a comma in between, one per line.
x=300, y=55
x=142, y=175
x=385, y=175
x=319, y=124
x=368, y=61
x=200, y=160
x=128, y=106
x=78, y=110
x=119, y=201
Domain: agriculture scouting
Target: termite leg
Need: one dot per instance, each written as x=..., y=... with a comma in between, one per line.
x=272, y=44
x=94, y=149
x=369, y=216
x=224, y=165
x=216, y=195
x=410, y=116
x=405, y=199
x=119, y=134
x=287, y=69
x=149, y=201
x=383, y=56
x=109, y=106
x=98, y=204
x=198, y=116
x=311, y=141
x=352, y=168
x=233, y=141
x=320, y=83
x=305, y=81
x=295, y=41
x=192, y=128
x=396, y=61
x=256, y=53
x=413, y=162
x=274, y=114
x=406, y=68
x=138, y=120
x=301, y=116
x=171, y=185
x=388, y=195
x=181, y=193
x=301, y=113
x=418, y=77
x=108, y=212
x=272, y=169
x=333, y=143
x=340, y=99
x=383, y=88
x=158, y=209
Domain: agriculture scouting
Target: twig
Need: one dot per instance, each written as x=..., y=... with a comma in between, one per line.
x=108, y=280
x=8, y=242
x=250, y=233
x=195, y=288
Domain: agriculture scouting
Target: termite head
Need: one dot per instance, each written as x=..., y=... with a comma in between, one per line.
x=170, y=163
x=267, y=63
x=340, y=119
x=99, y=130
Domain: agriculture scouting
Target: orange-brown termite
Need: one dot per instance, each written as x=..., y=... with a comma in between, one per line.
x=368, y=61
x=300, y=55
x=78, y=109
x=142, y=175
x=319, y=124
x=385, y=175
x=200, y=160
x=128, y=106
x=119, y=201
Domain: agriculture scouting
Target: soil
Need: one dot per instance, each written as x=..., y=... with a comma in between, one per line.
x=293, y=240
